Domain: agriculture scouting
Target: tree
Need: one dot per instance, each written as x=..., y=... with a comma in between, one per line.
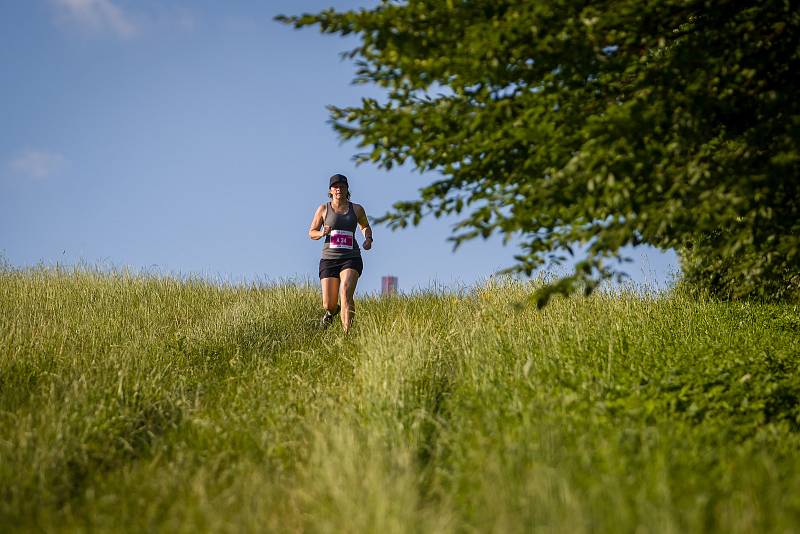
x=606, y=123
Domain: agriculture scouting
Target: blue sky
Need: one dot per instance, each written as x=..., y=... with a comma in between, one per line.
x=190, y=137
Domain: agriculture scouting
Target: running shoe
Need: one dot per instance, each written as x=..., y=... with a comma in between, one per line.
x=327, y=319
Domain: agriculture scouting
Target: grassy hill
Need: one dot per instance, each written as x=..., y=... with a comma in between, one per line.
x=140, y=403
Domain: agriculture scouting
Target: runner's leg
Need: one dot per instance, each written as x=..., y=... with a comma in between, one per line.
x=330, y=293
x=347, y=289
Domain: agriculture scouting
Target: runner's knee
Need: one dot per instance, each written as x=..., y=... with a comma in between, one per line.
x=345, y=289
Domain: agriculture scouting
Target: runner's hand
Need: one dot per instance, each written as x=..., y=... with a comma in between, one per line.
x=326, y=230
x=367, y=244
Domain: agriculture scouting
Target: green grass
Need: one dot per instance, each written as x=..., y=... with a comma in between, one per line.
x=141, y=403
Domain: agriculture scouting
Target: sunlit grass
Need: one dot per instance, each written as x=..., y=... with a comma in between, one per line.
x=132, y=402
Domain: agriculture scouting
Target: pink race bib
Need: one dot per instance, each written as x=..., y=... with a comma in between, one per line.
x=341, y=239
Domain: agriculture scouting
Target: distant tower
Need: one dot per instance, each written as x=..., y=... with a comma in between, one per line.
x=389, y=285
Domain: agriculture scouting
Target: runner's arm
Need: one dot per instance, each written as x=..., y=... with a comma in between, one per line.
x=363, y=222
x=314, y=231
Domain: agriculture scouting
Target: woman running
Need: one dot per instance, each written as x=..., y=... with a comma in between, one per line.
x=341, y=263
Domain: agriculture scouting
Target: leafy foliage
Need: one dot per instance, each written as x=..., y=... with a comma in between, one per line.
x=707, y=273
x=603, y=123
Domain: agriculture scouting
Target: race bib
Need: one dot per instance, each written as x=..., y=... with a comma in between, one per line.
x=341, y=239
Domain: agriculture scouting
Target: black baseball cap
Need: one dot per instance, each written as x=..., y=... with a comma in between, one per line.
x=338, y=178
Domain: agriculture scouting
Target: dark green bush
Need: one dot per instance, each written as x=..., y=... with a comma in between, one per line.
x=748, y=274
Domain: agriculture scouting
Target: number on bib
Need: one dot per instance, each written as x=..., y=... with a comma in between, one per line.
x=341, y=239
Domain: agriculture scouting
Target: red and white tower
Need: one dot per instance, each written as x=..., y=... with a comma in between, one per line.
x=389, y=285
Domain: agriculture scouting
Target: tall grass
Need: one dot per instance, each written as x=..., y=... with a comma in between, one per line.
x=144, y=403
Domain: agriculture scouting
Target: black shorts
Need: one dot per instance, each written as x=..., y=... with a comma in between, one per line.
x=332, y=268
